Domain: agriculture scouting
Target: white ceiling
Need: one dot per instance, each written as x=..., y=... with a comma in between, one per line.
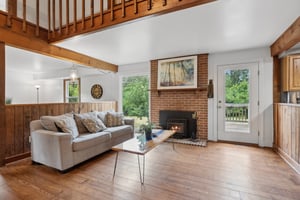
x=219, y=26
x=43, y=67
x=224, y=25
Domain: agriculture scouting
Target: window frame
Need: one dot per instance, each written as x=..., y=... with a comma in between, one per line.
x=68, y=81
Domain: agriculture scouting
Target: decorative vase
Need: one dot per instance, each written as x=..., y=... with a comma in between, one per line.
x=148, y=135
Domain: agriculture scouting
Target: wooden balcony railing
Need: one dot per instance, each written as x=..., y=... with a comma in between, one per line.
x=236, y=112
x=67, y=18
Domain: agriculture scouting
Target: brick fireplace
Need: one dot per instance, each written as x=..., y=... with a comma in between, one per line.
x=182, y=100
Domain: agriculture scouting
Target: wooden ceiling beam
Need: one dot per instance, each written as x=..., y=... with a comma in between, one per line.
x=287, y=40
x=14, y=36
x=34, y=44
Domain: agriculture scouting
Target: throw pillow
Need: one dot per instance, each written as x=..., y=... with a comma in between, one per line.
x=101, y=115
x=93, y=124
x=68, y=125
x=78, y=119
x=114, y=119
x=48, y=122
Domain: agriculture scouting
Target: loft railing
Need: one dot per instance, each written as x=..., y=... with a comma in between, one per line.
x=236, y=112
x=62, y=19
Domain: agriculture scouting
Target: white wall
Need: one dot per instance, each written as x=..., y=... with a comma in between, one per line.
x=20, y=86
x=109, y=83
x=261, y=56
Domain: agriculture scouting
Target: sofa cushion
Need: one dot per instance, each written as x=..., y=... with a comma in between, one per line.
x=114, y=119
x=84, y=141
x=119, y=130
x=48, y=122
x=93, y=124
x=68, y=125
x=78, y=119
x=101, y=115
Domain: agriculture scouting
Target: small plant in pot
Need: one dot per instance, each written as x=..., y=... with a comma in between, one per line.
x=147, y=128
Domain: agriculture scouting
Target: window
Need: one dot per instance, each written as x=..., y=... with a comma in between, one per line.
x=3, y=5
x=135, y=98
x=71, y=90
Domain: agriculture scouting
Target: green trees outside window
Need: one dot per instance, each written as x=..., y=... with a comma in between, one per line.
x=72, y=90
x=136, y=98
x=236, y=86
x=237, y=95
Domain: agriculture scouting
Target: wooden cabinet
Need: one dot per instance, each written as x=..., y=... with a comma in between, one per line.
x=291, y=73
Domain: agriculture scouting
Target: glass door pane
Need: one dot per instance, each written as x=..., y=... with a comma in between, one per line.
x=237, y=100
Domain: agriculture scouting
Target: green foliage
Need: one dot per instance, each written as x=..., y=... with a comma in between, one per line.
x=8, y=100
x=147, y=127
x=73, y=92
x=135, y=96
x=236, y=86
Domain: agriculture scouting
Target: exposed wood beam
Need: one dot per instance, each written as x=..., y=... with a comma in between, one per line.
x=114, y=14
x=2, y=104
x=288, y=39
x=42, y=47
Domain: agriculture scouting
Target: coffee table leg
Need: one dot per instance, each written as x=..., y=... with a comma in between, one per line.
x=116, y=161
x=142, y=176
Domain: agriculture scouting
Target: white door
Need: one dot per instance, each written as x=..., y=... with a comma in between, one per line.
x=238, y=103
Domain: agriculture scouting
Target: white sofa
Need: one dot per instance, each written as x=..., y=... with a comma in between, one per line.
x=61, y=150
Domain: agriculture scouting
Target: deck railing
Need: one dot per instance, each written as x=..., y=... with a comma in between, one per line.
x=67, y=18
x=236, y=112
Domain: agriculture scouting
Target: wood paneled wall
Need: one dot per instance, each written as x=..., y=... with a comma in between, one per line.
x=2, y=103
x=287, y=135
x=18, y=118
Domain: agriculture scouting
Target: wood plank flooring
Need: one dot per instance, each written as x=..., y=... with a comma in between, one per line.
x=218, y=171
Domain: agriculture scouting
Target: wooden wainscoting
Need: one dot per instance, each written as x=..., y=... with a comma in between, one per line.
x=287, y=133
x=18, y=118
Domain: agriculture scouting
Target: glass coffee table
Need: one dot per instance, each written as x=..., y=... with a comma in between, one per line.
x=139, y=146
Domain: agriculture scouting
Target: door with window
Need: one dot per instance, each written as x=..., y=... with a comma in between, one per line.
x=238, y=103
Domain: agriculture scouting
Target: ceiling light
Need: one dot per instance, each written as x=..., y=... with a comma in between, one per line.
x=73, y=74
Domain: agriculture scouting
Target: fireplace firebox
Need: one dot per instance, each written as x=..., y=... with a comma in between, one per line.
x=182, y=122
x=179, y=126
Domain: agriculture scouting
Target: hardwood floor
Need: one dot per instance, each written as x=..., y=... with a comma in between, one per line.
x=219, y=171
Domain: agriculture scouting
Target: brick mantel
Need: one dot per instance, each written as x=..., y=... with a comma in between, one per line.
x=185, y=100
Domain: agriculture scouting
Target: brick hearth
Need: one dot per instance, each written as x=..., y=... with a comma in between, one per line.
x=185, y=100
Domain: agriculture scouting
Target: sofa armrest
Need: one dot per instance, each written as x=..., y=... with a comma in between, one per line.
x=129, y=121
x=35, y=125
x=51, y=148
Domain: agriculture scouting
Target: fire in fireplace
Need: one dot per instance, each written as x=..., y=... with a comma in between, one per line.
x=182, y=122
x=179, y=126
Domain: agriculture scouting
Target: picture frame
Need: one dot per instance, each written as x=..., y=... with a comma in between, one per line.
x=177, y=73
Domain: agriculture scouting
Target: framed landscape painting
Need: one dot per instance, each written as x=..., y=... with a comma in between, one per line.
x=177, y=73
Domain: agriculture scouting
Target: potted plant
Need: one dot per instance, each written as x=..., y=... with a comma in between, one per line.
x=8, y=100
x=147, y=129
